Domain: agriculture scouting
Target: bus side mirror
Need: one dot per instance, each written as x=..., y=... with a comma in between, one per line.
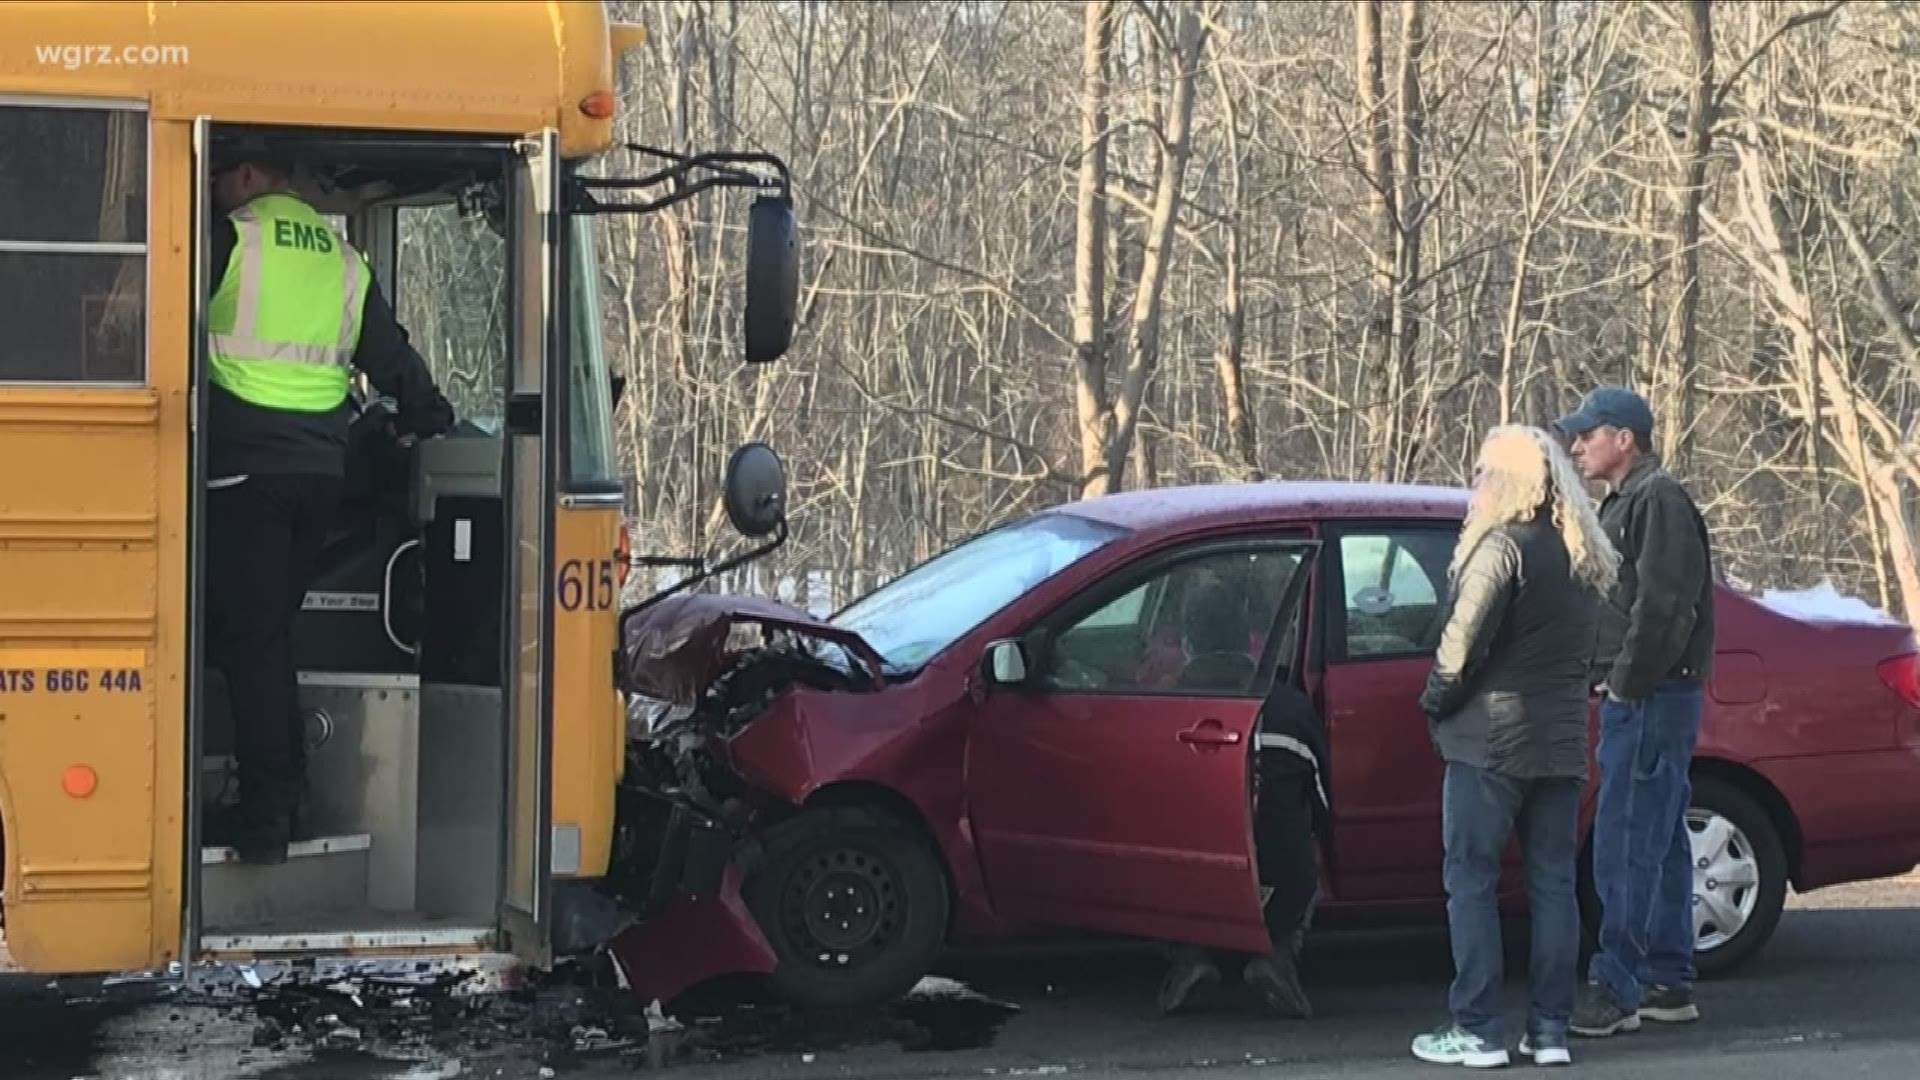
x=755, y=490
x=773, y=278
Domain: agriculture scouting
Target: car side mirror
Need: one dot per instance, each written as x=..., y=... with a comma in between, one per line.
x=1005, y=664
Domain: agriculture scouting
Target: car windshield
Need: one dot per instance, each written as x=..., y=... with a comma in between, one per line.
x=912, y=618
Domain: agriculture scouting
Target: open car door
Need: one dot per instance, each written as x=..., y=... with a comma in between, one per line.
x=1110, y=781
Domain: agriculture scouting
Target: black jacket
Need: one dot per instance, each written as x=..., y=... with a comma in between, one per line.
x=1509, y=688
x=1292, y=743
x=248, y=439
x=1659, y=624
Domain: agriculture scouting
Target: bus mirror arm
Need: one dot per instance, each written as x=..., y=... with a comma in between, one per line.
x=771, y=311
x=702, y=573
x=724, y=166
x=754, y=495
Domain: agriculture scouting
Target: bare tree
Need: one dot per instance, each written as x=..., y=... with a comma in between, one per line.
x=1090, y=253
x=1296, y=240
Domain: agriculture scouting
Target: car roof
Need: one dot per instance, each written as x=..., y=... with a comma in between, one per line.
x=1226, y=504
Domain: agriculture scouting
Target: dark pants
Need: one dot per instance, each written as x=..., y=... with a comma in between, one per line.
x=1479, y=812
x=1283, y=838
x=263, y=536
x=1642, y=853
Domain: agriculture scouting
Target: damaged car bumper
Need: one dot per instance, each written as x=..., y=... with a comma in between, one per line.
x=685, y=808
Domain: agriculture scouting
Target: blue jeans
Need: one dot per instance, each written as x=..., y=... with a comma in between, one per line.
x=1642, y=857
x=1479, y=812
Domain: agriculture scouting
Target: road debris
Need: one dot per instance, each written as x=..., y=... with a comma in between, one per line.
x=379, y=1020
x=938, y=1015
x=422, y=1020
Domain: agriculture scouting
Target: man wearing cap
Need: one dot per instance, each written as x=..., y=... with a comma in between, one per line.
x=1652, y=658
x=293, y=314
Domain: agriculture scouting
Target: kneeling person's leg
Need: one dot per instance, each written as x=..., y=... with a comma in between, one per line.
x=1284, y=846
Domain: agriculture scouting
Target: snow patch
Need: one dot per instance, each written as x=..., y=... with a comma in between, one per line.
x=935, y=986
x=1825, y=604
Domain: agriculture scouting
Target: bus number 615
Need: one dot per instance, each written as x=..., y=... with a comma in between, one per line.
x=586, y=584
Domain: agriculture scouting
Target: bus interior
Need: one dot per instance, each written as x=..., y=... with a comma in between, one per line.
x=404, y=644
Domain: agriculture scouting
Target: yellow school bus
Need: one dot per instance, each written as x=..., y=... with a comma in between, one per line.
x=462, y=730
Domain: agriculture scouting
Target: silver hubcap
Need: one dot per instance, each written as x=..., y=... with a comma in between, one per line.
x=1726, y=878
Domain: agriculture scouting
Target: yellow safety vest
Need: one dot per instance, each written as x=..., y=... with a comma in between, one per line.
x=286, y=318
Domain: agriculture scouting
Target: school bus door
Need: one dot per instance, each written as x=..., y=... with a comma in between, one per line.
x=535, y=427
x=535, y=424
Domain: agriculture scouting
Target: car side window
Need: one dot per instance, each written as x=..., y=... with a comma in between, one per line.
x=1199, y=627
x=1394, y=590
x=1125, y=611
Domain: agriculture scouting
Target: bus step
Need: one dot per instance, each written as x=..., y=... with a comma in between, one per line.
x=304, y=849
x=321, y=876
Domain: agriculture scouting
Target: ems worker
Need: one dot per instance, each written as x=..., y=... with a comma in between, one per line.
x=293, y=314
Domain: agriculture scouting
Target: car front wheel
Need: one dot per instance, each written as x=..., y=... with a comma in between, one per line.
x=854, y=903
x=1739, y=877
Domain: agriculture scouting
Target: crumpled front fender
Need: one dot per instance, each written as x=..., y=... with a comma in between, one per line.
x=693, y=940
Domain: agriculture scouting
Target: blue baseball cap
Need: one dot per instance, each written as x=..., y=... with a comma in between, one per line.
x=1611, y=405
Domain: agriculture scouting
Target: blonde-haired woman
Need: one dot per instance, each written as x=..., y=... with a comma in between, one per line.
x=1507, y=703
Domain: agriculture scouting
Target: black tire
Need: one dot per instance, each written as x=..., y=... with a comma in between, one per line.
x=874, y=876
x=1762, y=837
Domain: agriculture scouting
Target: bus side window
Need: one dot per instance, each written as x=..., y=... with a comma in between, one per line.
x=73, y=244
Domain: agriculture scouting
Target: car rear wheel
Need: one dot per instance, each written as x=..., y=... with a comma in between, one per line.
x=1739, y=875
x=854, y=903
x=1739, y=878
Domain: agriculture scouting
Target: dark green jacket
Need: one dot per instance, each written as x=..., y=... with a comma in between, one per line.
x=1658, y=625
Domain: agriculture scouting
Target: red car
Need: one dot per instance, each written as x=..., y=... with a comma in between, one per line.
x=1034, y=732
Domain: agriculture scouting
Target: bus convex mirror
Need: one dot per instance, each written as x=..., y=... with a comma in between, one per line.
x=755, y=490
x=773, y=278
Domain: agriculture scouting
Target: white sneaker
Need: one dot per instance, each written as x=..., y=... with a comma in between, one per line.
x=1449, y=1045
x=1545, y=1055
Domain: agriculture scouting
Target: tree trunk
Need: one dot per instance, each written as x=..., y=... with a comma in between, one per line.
x=1685, y=330
x=1143, y=338
x=1370, y=76
x=1409, y=137
x=1886, y=489
x=1229, y=354
x=1090, y=253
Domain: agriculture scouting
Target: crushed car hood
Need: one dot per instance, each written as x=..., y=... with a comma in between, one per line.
x=676, y=648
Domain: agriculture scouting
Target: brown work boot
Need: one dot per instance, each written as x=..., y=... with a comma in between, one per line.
x=1277, y=979
x=1191, y=967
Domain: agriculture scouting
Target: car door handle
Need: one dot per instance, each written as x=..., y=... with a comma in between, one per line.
x=1210, y=734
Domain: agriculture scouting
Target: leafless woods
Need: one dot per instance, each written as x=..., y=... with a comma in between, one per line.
x=1055, y=249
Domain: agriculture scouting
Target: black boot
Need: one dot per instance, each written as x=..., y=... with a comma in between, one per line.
x=1277, y=980
x=1191, y=967
x=257, y=836
x=263, y=842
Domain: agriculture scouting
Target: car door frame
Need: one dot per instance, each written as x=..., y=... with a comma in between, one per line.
x=1352, y=878
x=1037, y=635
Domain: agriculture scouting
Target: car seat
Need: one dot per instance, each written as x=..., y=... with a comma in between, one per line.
x=1218, y=634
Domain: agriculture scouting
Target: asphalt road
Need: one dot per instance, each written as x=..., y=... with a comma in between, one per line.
x=1836, y=994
